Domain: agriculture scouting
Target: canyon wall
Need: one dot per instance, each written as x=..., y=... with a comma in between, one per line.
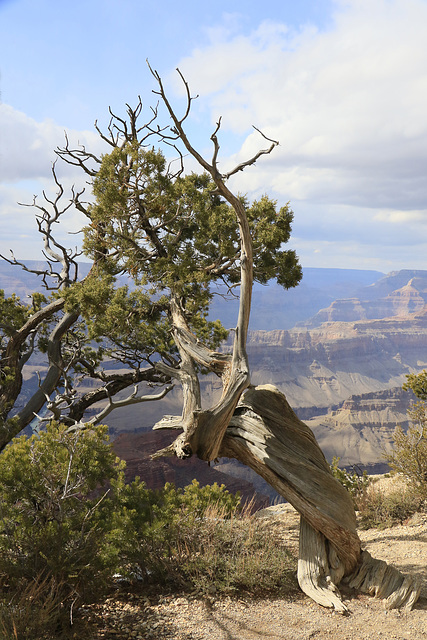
x=341, y=369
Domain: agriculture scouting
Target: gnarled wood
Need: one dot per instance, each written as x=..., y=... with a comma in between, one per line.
x=204, y=429
x=381, y=580
x=258, y=427
x=319, y=571
x=266, y=435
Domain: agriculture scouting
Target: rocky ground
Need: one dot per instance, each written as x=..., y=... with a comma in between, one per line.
x=297, y=618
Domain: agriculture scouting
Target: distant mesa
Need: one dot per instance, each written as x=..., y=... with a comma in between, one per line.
x=380, y=300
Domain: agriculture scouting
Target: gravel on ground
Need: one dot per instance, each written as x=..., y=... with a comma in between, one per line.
x=139, y=617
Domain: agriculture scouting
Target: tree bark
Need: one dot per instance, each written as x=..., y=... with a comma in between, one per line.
x=266, y=435
x=258, y=427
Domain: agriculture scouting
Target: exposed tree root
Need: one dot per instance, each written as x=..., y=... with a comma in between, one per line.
x=381, y=580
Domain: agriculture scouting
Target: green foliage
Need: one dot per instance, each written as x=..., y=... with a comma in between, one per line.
x=149, y=526
x=128, y=325
x=149, y=217
x=68, y=523
x=409, y=454
x=173, y=236
x=417, y=382
x=49, y=512
x=20, y=326
x=356, y=482
x=13, y=314
x=199, y=539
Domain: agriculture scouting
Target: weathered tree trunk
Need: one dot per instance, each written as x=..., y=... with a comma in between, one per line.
x=266, y=435
x=258, y=427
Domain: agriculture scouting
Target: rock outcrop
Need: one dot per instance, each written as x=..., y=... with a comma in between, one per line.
x=343, y=378
x=401, y=293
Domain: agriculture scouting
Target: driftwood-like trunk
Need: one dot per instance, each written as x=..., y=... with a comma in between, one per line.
x=266, y=435
x=258, y=427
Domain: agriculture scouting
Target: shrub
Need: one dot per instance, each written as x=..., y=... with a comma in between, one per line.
x=379, y=508
x=51, y=497
x=229, y=556
x=37, y=613
x=198, y=539
x=68, y=522
x=356, y=482
x=150, y=526
x=409, y=455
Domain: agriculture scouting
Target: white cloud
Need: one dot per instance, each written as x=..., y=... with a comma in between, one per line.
x=27, y=147
x=347, y=105
x=18, y=227
x=26, y=157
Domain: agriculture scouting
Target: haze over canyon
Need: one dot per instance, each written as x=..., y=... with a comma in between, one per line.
x=339, y=346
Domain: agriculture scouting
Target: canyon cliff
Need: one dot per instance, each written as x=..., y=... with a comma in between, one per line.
x=339, y=346
x=342, y=371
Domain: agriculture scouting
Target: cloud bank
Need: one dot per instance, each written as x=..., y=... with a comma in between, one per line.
x=348, y=107
x=346, y=102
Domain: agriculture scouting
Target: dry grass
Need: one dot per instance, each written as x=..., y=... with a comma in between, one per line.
x=35, y=612
x=387, y=501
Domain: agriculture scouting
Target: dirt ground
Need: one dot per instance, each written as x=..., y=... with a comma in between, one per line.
x=298, y=618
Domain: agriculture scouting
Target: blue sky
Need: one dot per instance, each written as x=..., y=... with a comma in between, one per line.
x=342, y=84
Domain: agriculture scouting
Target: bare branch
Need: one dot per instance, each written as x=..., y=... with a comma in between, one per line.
x=78, y=157
x=179, y=448
x=247, y=163
x=53, y=251
x=205, y=430
x=169, y=422
x=217, y=362
x=133, y=398
x=214, y=139
x=178, y=130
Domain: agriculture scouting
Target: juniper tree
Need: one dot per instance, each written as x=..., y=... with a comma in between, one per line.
x=176, y=235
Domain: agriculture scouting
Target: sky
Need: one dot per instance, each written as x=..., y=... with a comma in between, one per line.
x=341, y=84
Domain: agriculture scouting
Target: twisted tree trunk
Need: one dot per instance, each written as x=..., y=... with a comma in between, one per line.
x=258, y=427
x=266, y=435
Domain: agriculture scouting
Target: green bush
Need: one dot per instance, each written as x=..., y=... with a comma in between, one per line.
x=52, y=495
x=68, y=523
x=150, y=527
x=409, y=454
x=198, y=539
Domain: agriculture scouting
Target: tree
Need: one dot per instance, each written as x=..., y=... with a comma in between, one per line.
x=176, y=235
x=143, y=223
x=409, y=455
x=417, y=382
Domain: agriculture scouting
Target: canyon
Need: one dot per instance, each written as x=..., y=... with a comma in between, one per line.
x=342, y=371
x=339, y=346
